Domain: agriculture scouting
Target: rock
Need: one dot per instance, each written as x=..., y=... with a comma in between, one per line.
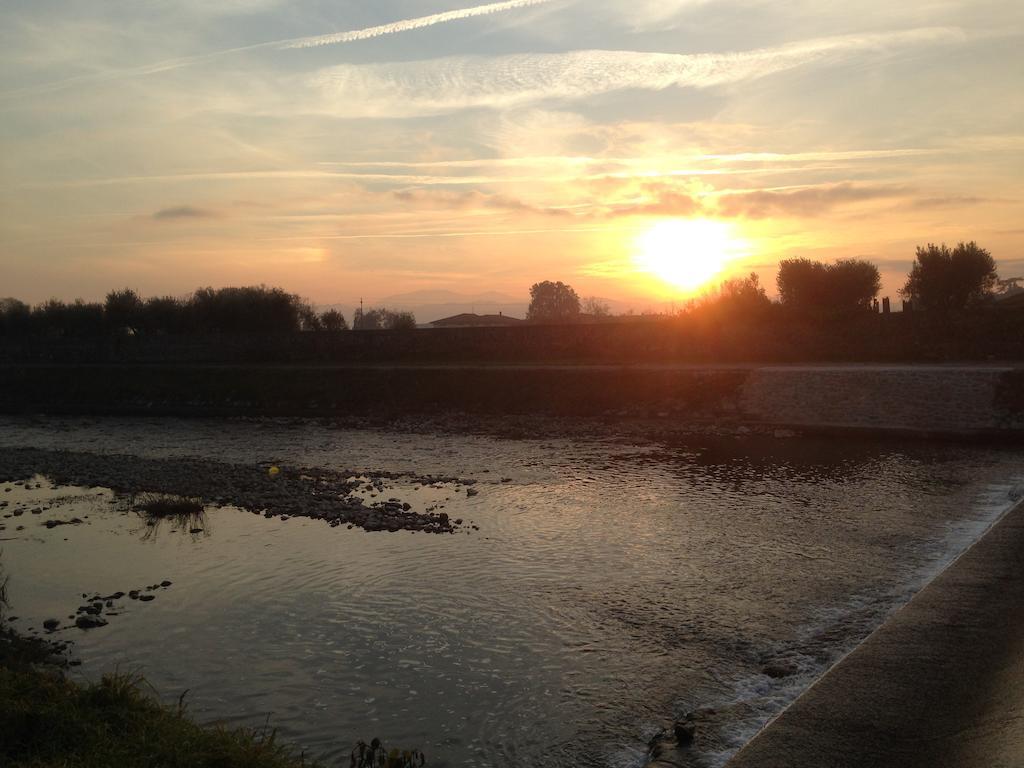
x=86, y=621
x=684, y=731
x=51, y=624
x=146, y=598
x=779, y=669
x=165, y=583
x=200, y=530
x=472, y=491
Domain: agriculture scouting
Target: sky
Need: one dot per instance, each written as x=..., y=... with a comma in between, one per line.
x=635, y=149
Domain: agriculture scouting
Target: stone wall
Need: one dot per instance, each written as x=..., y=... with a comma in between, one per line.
x=916, y=398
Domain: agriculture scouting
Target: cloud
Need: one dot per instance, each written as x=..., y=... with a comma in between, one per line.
x=179, y=212
x=475, y=199
x=950, y=201
x=407, y=25
x=242, y=6
x=436, y=86
x=664, y=203
x=804, y=201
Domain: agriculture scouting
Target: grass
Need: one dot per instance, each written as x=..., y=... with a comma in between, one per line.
x=186, y=513
x=161, y=505
x=49, y=721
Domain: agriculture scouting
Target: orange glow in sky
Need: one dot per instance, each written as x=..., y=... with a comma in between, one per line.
x=687, y=254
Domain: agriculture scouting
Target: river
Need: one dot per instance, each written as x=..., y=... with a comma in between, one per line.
x=608, y=586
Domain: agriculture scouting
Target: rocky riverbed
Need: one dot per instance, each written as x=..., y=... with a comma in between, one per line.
x=338, y=498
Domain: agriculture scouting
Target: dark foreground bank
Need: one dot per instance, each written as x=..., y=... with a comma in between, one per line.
x=48, y=720
x=941, y=683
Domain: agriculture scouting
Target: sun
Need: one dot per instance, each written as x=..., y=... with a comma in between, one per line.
x=687, y=253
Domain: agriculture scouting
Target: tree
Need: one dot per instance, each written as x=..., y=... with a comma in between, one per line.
x=399, y=321
x=122, y=309
x=333, y=320
x=849, y=284
x=552, y=302
x=252, y=309
x=15, y=317
x=942, y=279
x=596, y=307
x=377, y=319
x=163, y=315
x=853, y=284
x=801, y=283
x=745, y=292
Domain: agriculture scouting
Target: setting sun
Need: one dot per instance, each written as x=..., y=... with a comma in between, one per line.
x=687, y=253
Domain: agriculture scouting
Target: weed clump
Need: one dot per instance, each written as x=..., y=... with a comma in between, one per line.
x=161, y=505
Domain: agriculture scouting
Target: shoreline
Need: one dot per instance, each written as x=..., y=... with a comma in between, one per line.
x=885, y=400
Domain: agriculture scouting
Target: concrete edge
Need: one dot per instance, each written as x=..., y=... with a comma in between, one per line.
x=1014, y=508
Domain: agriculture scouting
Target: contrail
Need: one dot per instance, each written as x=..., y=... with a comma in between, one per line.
x=394, y=27
x=408, y=25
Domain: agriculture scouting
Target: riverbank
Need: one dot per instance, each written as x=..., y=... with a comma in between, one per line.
x=959, y=401
x=941, y=683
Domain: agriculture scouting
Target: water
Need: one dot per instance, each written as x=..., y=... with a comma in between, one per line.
x=609, y=587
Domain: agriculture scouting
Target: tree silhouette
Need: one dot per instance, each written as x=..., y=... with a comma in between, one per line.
x=596, y=307
x=122, y=309
x=377, y=319
x=849, y=284
x=943, y=279
x=333, y=320
x=552, y=302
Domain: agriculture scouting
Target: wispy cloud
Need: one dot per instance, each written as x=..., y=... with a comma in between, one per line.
x=804, y=201
x=179, y=212
x=313, y=41
x=408, y=25
x=473, y=199
x=447, y=84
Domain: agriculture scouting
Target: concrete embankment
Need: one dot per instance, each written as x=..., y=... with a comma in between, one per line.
x=969, y=400
x=941, y=683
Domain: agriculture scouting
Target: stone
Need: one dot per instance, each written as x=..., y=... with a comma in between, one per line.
x=51, y=624
x=684, y=731
x=146, y=598
x=86, y=621
x=779, y=669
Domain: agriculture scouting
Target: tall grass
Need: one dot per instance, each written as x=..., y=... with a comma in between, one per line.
x=47, y=720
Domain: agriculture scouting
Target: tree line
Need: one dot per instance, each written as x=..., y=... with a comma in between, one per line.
x=233, y=310
x=942, y=279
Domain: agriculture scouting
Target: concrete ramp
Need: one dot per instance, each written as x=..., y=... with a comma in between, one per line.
x=940, y=684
